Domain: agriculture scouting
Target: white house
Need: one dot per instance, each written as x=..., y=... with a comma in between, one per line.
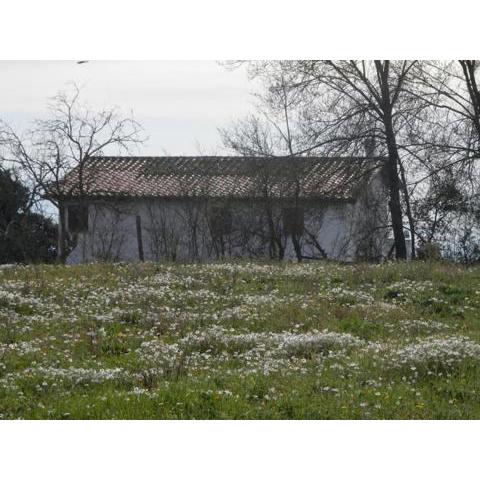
x=203, y=208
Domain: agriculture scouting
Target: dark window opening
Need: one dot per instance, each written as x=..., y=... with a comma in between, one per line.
x=220, y=219
x=77, y=218
x=293, y=220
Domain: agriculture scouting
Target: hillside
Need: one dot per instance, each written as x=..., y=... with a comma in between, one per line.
x=246, y=340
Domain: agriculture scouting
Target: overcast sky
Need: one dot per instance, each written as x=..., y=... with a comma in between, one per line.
x=179, y=104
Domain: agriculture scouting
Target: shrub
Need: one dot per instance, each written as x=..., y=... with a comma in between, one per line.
x=429, y=252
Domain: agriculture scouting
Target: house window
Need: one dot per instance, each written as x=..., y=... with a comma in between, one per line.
x=293, y=220
x=220, y=219
x=77, y=218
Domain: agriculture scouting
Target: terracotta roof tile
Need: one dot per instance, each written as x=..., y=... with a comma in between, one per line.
x=236, y=177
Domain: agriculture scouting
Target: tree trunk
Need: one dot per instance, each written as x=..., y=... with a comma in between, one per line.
x=411, y=221
x=394, y=190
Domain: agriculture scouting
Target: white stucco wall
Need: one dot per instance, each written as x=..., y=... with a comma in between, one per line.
x=167, y=227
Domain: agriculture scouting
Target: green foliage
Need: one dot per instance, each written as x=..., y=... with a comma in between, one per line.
x=25, y=237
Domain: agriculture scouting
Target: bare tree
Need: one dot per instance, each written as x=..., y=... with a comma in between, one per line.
x=163, y=230
x=444, y=140
x=454, y=88
x=108, y=232
x=64, y=143
x=330, y=108
x=375, y=91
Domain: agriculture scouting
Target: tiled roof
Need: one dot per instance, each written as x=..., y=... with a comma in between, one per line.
x=220, y=177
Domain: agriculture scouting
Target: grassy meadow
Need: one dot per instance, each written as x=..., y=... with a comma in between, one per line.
x=240, y=341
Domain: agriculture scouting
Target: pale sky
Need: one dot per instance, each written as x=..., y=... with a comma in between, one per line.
x=179, y=104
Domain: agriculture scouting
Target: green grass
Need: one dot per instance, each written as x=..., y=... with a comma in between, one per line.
x=240, y=341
